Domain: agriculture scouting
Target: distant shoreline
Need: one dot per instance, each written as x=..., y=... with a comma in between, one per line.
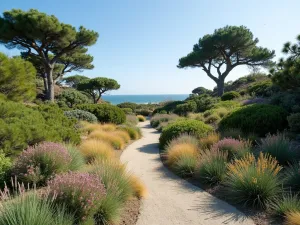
x=144, y=99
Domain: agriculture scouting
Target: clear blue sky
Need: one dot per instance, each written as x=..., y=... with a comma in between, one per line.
x=141, y=41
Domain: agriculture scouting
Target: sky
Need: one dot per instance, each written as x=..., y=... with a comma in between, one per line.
x=141, y=41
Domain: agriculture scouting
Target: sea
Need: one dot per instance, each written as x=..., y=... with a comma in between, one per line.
x=143, y=99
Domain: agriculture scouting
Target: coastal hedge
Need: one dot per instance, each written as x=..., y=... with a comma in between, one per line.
x=230, y=95
x=21, y=126
x=260, y=119
x=189, y=126
x=105, y=113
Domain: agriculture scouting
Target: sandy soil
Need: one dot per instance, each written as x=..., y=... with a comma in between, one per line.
x=171, y=199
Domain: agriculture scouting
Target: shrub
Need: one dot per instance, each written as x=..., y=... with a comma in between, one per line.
x=168, y=107
x=93, y=149
x=127, y=105
x=259, y=119
x=143, y=112
x=204, y=102
x=173, y=130
x=293, y=218
x=33, y=210
x=159, y=118
x=230, y=95
x=116, y=141
x=292, y=176
x=235, y=148
x=229, y=105
x=78, y=192
x=39, y=163
x=287, y=100
x=175, y=152
x=277, y=146
x=141, y=118
x=105, y=113
x=253, y=182
x=21, y=126
x=184, y=109
x=196, y=116
x=77, y=161
x=287, y=203
x=209, y=140
x=127, y=111
x=212, y=167
x=71, y=97
x=263, y=88
x=221, y=111
x=294, y=122
x=232, y=133
x=81, y=115
x=5, y=166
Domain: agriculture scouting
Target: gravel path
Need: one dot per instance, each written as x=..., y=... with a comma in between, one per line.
x=171, y=199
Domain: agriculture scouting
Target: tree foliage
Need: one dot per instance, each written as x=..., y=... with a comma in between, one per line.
x=286, y=74
x=97, y=86
x=48, y=42
x=17, y=79
x=224, y=50
x=201, y=90
x=73, y=81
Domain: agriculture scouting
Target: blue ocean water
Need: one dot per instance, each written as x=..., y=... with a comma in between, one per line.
x=143, y=99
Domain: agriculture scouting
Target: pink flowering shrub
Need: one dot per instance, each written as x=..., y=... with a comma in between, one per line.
x=78, y=192
x=37, y=164
x=235, y=148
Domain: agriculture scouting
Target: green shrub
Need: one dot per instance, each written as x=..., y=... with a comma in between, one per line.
x=81, y=115
x=173, y=130
x=260, y=119
x=184, y=109
x=21, y=126
x=141, y=118
x=127, y=111
x=168, y=107
x=204, y=102
x=71, y=97
x=287, y=203
x=230, y=95
x=127, y=105
x=263, y=88
x=294, y=122
x=143, y=112
x=253, y=182
x=277, y=146
x=212, y=167
x=227, y=105
x=290, y=101
x=5, y=166
x=105, y=113
x=33, y=210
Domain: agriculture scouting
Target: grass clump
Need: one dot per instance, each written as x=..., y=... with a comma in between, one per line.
x=212, y=167
x=157, y=119
x=183, y=139
x=123, y=134
x=292, y=176
x=93, y=149
x=277, y=146
x=116, y=141
x=33, y=210
x=185, y=165
x=77, y=157
x=293, y=218
x=235, y=148
x=175, y=152
x=254, y=182
x=286, y=204
x=209, y=140
x=134, y=132
x=141, y=118
x=138, y=187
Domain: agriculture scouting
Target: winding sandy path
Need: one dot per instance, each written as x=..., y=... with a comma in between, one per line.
x=171, y=199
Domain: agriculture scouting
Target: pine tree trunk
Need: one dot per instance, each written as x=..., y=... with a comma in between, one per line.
x=50, y=91
x=220, y=86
